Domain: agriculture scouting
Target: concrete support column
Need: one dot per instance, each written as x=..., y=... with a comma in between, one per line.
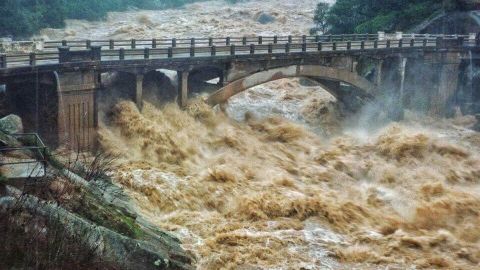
x=447, y=84
x=403, y=65
x=379, y=73
x=77, y=110
x=139, y=91
x=182, y=88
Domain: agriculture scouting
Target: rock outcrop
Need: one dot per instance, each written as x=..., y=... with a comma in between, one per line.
x=11, y=124
x=92, y=222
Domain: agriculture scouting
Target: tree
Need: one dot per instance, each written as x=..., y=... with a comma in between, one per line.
x=320, y=17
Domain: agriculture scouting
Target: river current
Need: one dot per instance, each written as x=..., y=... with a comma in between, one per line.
x=283, y=179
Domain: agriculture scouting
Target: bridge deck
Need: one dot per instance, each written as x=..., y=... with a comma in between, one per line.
x=125, y=50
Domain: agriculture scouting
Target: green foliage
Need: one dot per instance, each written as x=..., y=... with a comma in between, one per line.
x=320, y=18
x=22, y=18
x=369, y=16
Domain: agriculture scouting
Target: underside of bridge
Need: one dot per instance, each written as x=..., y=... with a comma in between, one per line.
x=329, y=78
x=35, y=99
x=63, y=105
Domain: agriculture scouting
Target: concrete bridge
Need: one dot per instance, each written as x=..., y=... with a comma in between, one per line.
x=59, y=90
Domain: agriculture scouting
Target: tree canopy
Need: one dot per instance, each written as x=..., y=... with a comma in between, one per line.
x=369, y=16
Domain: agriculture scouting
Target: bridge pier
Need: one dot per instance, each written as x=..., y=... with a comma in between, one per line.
x=182, y=88
x=139, y=90
x=77, y=111
x=447, y=85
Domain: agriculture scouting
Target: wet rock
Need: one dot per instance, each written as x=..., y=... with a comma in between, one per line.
x=11, y=124
x=264, y=18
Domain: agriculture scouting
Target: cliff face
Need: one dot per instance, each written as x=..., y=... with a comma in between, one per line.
x=459, y=22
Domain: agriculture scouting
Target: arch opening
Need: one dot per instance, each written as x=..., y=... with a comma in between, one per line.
x=35, y=99
x=331, y=78
x=205, y=79
x=115, y=86
x=158, y=86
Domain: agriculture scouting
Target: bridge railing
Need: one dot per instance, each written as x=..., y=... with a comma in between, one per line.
x=199, y=42
x=237, y=46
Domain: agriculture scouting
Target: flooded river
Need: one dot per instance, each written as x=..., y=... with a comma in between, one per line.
x=282, y=180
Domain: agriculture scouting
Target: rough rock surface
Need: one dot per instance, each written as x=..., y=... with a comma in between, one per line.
x=264, y=18
x=11, y=124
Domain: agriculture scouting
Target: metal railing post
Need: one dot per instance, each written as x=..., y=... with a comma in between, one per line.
x=192, y=51
x=289, y=39
x=270, y=48
x=232, y=49
x=146, y=53
x=349, y=45
x=244, y=41
x=362, y=45
x=210, y=42
x=304, y=47
x=170, y=52
x=192, y=42
x=111, y=44
x=64, y=43
x=260, y=40
x=3, y=60
x=319, y=46
x=388, y=43
x=32, y=58
x=174, y=42
x=400, y=43
x=412, y=42
x=275, y=39
x=133, y=43
x=154, y=43
x=287, y=48
x=304, y=39
x=227, y=41
x=252, y=48
x=213, y=50
x=96, y=52
x=88, y=44
x=334, y=46
x=121, y=54
x=375, y=44
x=424, y=43
x=439, y=42
x=63, y=54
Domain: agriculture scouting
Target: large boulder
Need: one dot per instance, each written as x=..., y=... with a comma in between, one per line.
x=264, y=18
x=11, y=124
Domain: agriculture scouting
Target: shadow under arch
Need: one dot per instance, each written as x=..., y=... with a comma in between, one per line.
x=207, y=78
x=315, y=72
x=36, y=100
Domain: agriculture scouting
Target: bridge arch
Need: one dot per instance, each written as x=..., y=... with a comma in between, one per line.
x=202, y=79
x=315, y=72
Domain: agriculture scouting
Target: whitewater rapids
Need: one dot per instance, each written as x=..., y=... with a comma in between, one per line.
x=280, y=180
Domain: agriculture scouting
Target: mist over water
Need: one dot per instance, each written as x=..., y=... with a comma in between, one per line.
x=284, y=179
